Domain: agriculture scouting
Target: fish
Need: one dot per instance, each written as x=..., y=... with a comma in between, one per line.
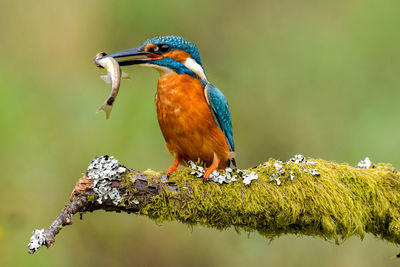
x=114, y=75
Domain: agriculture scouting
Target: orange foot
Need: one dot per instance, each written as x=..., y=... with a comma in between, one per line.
x=212, y=168
x=173, y=167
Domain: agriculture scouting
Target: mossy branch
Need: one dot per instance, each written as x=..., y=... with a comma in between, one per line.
x=339, y=202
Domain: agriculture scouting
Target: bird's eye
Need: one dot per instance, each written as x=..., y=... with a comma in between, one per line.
x=163, y=47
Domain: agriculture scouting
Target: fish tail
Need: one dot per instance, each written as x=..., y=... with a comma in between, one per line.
x=106, y=108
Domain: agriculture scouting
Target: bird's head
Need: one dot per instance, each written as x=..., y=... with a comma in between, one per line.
x=166, y=54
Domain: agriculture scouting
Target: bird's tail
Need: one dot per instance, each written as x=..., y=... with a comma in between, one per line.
x=232, y=159
x=234, y=162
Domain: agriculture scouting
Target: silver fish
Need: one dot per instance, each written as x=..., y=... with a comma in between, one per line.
x=113, y=76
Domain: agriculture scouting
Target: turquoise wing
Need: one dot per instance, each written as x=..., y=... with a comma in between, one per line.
x=221, y=113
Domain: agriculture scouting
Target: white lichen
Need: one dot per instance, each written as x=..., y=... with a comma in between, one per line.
x=248, y=177
x=315, y=172
x=278, y=166
x=304, y=169
x=298, y=162
x=102, y=171
x=230, y=175
x=105, y=167
x=365, y=163
x=276, y=177
x=37, y=240
x=197, y=170
x=298, y=158
x=227, y=177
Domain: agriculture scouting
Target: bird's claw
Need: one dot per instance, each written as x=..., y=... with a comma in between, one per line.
x=172, y=168
x=208, y=172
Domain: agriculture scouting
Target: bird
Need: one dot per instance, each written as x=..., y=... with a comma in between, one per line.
x=193, y=114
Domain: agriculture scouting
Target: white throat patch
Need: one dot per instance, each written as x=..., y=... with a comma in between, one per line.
x=191, y=64
x=162, y=70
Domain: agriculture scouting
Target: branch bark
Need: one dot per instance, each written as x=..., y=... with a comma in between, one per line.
x=306, y=197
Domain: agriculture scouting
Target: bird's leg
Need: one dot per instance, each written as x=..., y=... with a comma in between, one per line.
x=173, y=167
x=212, y=168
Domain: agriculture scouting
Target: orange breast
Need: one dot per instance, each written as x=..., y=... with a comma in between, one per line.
x=186, y=121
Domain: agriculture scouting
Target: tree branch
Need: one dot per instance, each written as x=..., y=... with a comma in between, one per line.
x=300, y=196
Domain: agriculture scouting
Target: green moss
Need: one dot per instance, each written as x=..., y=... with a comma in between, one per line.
x=341, y=202
x=152, y=174
x=90, y=199
x=130, y=193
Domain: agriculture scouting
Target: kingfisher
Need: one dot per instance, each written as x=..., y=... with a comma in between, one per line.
x=193, y=114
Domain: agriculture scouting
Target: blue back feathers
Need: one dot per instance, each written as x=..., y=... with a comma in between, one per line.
x=220, y=110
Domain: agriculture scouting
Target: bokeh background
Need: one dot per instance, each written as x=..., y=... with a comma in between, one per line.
x=320, y=78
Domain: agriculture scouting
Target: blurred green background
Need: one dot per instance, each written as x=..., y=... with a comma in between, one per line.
x=318, y=78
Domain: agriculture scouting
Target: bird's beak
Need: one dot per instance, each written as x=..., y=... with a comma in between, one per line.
x=138, y=51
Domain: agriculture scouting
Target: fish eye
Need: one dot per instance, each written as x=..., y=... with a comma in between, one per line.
x=163, y=47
